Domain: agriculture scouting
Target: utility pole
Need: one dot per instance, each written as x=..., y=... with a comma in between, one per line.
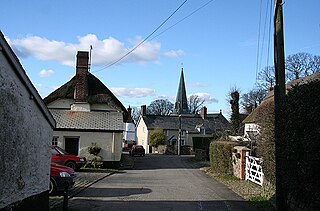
x=279, y=95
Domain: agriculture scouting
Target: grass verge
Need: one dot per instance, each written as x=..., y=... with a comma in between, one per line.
x=260, y=197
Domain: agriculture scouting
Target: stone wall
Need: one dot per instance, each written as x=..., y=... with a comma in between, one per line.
x=25, y=139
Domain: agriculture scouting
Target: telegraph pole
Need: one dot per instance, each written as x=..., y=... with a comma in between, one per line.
x=279, y=95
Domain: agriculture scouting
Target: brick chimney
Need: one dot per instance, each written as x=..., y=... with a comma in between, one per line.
x=143, y=110
x=81, y=88
x=204, y=112
x=129, y=115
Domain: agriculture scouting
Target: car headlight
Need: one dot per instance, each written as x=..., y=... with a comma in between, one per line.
x=82, y=159
x=64, y=174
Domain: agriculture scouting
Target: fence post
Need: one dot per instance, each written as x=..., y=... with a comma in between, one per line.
x=246, y=164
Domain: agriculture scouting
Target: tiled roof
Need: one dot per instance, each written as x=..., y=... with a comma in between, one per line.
x=94, y=120
x=188, y=122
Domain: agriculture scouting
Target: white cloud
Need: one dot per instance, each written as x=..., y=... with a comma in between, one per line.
x=45, y=73
x=104, y=51
x=133, y=92
x=174, y=54
x=196, y=84
x=208, y=99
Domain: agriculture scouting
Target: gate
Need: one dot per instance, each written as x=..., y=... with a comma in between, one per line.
x=254, y=169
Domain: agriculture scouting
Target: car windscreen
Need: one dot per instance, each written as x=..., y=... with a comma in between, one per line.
x=61, y=150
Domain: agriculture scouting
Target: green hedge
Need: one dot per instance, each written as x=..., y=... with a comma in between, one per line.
x=266, y=140
x=221, y=157
x=301, y=146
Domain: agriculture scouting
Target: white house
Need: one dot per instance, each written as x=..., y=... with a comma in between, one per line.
x=25, y=136
x=87, y=112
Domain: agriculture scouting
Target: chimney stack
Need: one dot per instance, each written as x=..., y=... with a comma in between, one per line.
x=129, y=114
x=143, y=110
x=204, y=112
x=81, y=88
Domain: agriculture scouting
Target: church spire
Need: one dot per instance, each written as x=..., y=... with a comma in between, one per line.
x=181, y=105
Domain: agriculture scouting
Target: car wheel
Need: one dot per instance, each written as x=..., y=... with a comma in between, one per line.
x=71, y=164
x=52, y=187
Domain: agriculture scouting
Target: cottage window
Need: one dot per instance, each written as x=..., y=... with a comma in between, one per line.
x=182, y=142
x=55, y=141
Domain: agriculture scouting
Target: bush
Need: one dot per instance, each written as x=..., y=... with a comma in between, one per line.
x=221, y=157
x=301, y=122
x=93, y=160
x=266, y=140
x=157, y=138
x=94, y=149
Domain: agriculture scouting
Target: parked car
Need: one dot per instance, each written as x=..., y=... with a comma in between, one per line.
x=137, y=150
x=61, y=157
x=59, y=176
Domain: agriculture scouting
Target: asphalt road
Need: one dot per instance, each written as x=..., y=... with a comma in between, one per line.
x=159, y=182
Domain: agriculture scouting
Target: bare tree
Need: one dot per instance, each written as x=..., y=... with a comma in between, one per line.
x=135, y=113
x=160, y=107
x=195, y=103
x=301, y=65
x=266, y=77
x=253, y=98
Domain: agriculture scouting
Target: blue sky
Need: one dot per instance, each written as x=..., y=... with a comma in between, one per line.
x=217, y=45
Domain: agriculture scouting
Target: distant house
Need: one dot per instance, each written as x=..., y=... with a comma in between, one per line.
x=25, y=135
x=190, y=125
x=129, y=133
x=87, y=112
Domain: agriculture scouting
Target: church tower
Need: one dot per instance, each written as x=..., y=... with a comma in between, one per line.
x=181, y=105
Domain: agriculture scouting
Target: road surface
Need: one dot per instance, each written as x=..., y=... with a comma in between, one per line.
x=159, y=182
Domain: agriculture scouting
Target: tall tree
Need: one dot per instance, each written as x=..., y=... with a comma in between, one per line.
x=195, y=103
x=160, y=107
x=235, y=116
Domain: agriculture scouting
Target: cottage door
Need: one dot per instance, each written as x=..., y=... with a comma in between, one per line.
x=72, y=145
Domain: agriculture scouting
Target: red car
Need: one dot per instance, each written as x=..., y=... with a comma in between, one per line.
x=59, y=176
x=137, y=150
x=61, y=157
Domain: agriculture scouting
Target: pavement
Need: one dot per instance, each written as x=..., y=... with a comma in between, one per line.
x=85, y=178
x=83, y=181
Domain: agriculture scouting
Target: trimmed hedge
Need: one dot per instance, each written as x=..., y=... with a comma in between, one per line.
x=221, y=157
x=266, y=140
x=301, y=126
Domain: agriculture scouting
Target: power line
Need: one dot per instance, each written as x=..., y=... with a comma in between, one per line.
x=182, y=19
x=122, y=57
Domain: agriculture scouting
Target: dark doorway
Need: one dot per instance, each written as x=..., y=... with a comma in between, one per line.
x=72, y=145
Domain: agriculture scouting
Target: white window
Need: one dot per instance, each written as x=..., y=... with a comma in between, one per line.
x=182, y=142
x=55, y=141
x=166, y=132
x=183, y=133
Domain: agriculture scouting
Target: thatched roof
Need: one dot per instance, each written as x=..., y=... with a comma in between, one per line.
x=98, y=93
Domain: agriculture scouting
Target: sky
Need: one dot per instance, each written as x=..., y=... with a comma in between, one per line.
x=219, y=44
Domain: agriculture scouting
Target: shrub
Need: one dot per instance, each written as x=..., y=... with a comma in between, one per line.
x=94, y=149
x=266, y=140
x=301, y=122
x=94, y=160
x=221, y=157
x=157, y=138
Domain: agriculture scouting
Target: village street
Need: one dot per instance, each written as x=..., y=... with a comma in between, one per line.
x=159, y=182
